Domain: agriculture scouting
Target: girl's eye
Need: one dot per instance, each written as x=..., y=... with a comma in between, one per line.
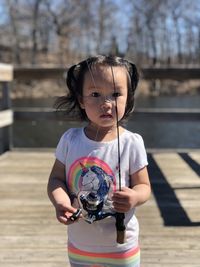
x=95, y=94
x=116, y=94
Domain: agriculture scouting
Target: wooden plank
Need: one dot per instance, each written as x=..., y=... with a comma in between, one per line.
x=179, y=74
x=6, y=118
x=168, y=114
x=23, y=263
x=41, y=114
x=6, y=72
x=31, y=236
x=39, y=73
x=139, y=114
x=29, y=232
x=176, y=170
x=184, y=181
x=30, y=73
x=195, y=156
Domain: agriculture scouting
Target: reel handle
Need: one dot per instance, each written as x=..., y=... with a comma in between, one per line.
x=75, y=215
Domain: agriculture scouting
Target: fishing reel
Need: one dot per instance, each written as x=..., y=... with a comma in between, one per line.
x=94, y=208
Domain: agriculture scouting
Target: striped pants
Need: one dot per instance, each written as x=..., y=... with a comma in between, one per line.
x=80, y=258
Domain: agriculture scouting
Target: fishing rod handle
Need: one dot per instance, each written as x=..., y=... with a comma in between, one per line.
x=120, y=227
x=121, y=237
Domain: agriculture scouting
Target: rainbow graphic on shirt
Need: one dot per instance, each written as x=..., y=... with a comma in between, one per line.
x=82, y=165
x=129, y=258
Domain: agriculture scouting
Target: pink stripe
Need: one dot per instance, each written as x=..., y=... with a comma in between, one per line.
x=120, y=255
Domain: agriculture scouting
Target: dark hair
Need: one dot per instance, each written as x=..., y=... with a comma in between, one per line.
x=75, y=80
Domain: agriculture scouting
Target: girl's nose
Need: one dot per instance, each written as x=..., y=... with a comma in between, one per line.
x=106, y=104
x=107, y=99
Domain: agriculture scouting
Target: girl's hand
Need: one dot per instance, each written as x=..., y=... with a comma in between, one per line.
x=64, y=212
x=57, y=192
x=125, y=200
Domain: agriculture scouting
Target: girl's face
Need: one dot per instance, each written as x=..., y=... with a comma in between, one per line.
x=100, y=89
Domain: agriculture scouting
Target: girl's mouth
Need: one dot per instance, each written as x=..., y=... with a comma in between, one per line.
x=106, y=116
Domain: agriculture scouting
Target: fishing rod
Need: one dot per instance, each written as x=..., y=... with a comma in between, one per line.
x=120, y=226
x=90, y=202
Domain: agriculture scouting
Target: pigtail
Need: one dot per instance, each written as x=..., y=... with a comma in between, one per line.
x=134, y=75
x=71, y=79
x=69, y=102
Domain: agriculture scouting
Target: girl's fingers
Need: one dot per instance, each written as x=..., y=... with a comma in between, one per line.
x=62, y=219
x=120, y=205
x=65, y=218
x=63, y=213
x=65, y=208
x=119, y=198
x=123, y=200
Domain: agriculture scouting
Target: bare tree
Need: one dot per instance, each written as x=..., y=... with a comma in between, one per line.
x=105, y=26
x=176, y=11
x=101, y=24
x=192, y=20
x=13, y=12
x=64, y=16
x=149, y=31
x=36, y=5
x=144, y=23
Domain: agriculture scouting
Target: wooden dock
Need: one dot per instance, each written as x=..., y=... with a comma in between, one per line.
x=30, y=236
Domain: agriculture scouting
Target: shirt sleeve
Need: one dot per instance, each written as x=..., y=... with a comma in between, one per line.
x=62, y=148
x=138, y=155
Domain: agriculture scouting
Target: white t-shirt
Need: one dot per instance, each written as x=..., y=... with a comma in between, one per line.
x=92, y=166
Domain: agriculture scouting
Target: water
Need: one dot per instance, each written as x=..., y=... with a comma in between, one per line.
x=156, y=133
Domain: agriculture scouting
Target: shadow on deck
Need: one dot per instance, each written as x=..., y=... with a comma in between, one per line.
x=169, y=221
x=172, y=212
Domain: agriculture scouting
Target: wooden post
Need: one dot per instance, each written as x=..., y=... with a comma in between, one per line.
x=7, y=130
x=6, y=114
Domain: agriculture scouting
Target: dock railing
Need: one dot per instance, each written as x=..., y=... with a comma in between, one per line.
x=6, y=113
x=8, y=74
x=150, y=74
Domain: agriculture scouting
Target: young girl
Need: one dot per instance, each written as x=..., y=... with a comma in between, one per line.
x=100, y=175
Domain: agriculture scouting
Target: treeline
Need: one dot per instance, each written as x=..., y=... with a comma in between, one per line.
x=150, y=32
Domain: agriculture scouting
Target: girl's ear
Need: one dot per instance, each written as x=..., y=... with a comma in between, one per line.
x=80, y=100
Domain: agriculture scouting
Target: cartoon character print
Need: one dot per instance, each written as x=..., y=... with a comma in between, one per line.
x=95, y=179
x=95, y=194
x=91, y=183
